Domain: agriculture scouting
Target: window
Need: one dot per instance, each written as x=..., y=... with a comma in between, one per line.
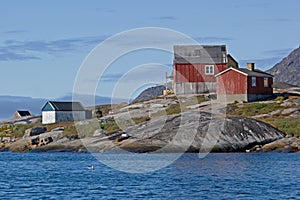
x=266, y=82
x=209, y=70
x=253, y=81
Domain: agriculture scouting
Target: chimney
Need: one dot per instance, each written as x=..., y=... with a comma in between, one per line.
x=250, y=66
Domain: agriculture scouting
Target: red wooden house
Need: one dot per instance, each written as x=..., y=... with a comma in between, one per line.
x=195, y=67
x=236, y=84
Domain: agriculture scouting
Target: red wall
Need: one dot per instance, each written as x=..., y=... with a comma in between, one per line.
x=236, y=83
x=232, y=82
x=260, y=89
x=196, y=72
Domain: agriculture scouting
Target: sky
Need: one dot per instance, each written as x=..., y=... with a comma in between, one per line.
x=43, y=44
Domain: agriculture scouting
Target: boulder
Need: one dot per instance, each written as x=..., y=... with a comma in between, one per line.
x=287, y=144
x=297, y=102
x=275, y=112
x=61, y=128
x=287, y=104
x=34, y=131
x=289, y=111
x=99, y=132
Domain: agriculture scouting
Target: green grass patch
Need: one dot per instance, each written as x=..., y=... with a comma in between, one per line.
x=201, y=98
x=290, y=126
x=87, y=129
x=252, y=109
x=170, y=110
x=280, y=99
x=110, y=126
x=69, y=130
x=140, y=120
x=14, y=130
x=178, y=108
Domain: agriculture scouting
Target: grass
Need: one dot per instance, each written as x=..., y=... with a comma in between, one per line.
x=180, y=107
x=170, y=110
x=140, y=120
x=87, y=129
x=290, y=126
x=252, y=109
x=105, y=109
x=201, y=98
x=111, y=126
x=280, y=99
x=14, y=130
x=69, y=130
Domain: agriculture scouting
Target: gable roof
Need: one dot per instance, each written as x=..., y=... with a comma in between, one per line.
x=23, y=113
x=247, y=72
x=64, y=106
x=206, y=54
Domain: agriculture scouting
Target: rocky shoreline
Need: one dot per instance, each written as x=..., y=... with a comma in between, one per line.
x=191, y=131
x=201, y=127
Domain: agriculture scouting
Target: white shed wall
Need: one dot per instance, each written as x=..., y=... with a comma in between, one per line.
x=48, y=117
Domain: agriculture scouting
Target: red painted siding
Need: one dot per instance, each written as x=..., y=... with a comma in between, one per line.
x=232, y=82
x=260, y=88
x=196, y=72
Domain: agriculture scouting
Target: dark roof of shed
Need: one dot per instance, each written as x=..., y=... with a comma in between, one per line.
x=66, y=106
x=247, y=72
x=23, y=113
x=256, y=72
x=206, y=54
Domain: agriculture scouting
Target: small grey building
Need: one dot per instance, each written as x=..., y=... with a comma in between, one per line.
x=21, y=114
x=54, y=111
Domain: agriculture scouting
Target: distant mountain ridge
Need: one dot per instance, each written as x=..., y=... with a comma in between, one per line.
x=10, y=104
x=288, y=70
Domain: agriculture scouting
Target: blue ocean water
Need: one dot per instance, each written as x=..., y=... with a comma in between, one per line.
x=217, y=176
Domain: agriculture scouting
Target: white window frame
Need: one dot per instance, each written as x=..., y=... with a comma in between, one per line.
x=266, y=82
x=209, y=69
x=253, y=81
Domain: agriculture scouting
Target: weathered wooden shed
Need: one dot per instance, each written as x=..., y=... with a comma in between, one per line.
x=195, y=67
x=54, y=111
x=21, y=114
x=241, y=84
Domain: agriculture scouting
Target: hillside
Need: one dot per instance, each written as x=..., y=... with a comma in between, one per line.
x=149, y=126
x=288, y=70
x=150, y=93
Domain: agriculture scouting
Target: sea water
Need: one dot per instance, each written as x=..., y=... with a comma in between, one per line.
x=216, y=176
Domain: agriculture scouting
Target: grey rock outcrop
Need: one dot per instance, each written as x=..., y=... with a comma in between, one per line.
x=193, y=132
x=287, y=144
x=31, y=142
x=99, y=132
x=150, y=93
x=34, y=131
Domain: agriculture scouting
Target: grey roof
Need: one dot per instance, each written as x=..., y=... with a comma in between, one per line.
x=206, y=54
x=247, y=72
x=67, y=106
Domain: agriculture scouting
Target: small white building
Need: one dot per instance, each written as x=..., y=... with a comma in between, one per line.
x=54, y=111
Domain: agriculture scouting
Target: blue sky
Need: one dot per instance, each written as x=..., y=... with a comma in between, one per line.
x=43, y=43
